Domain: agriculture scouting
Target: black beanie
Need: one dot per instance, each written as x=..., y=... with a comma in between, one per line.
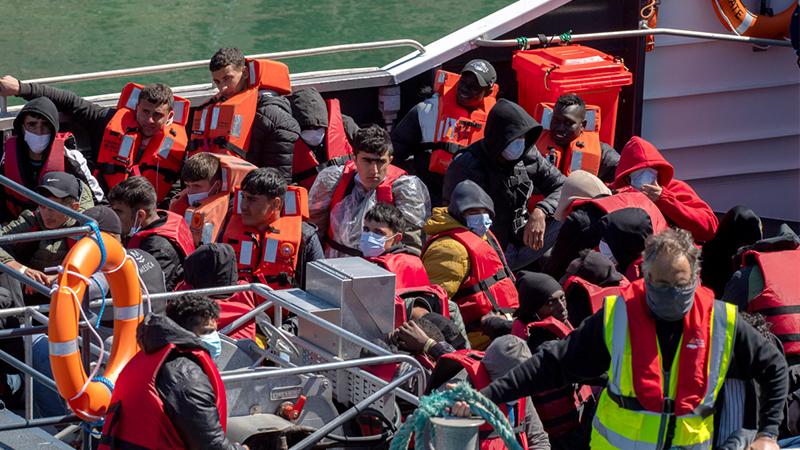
x=534, y=289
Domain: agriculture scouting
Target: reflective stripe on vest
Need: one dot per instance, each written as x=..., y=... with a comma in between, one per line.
x=619, y=424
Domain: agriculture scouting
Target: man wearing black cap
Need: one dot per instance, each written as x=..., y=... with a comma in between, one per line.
x=31, y=258
x=451, y=119
x=35, y=148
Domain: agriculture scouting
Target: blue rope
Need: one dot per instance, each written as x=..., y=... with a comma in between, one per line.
x=100, y=243
x=108, y=383
x=435, y=404
x=103, y=306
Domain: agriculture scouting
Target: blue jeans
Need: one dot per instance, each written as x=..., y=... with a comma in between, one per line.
x=46, y=403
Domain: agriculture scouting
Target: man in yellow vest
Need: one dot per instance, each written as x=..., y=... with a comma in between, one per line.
x=668, y=348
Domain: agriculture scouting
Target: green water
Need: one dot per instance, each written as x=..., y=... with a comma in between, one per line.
x=41, y=38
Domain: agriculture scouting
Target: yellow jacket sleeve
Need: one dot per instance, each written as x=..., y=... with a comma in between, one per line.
x=447, y=264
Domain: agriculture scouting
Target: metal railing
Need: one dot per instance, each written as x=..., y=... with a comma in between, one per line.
x=534, y=41
x=36, y=312
x=160, y=68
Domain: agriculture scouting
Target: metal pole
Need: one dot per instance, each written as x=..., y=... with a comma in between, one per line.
x=204, y=62
x=24, y=279
x=22, y=367
x=3, y=104
x=41, y=200
x=45, y=421
x=636, y=33
x=28, y=345
x=22, y=332
x=44, y=234
x=95, y=349
x=250, y=374
x=245, y=318
x=314, y=437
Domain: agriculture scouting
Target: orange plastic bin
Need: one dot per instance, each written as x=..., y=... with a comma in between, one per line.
x=545, y=74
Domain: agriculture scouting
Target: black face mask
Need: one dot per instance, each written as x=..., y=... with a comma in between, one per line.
x=670, y=303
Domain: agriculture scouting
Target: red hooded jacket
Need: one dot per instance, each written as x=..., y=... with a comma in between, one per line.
x=679, y=203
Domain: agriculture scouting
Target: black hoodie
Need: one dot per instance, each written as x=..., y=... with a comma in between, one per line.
x=310, y=111
x=625, y=232
x=740, y=226
x=482, y=163
x=189, y=399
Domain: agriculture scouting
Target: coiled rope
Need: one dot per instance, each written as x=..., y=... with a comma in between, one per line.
x=435, y=405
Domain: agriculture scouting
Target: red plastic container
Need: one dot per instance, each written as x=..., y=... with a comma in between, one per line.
x=545, y=74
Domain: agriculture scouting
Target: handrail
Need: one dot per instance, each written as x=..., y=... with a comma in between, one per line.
x=634, y=33
x=374, y=45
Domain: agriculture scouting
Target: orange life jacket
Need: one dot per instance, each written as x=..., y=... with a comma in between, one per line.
x=627, y=199
x=593, y=293
x=225, y=126
x=558, y=408
x=447, y=126
x=472, y=362
x=136, y=405
x=174, y=230
x=16, y=203
x=206, y=218
x=306, y=166
x=383, y=194
x=270, y=257
x=584, y=153
x=779, y=302
x=121, y=153
x=490, y=283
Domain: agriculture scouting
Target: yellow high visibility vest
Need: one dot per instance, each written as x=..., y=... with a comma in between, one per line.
x=621, y=423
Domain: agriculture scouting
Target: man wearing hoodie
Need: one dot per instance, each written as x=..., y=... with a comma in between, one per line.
x=642, y=167
x=265, y=115
x=172, y=388
x=326, y=135
x=509, y=168
x=36, y=148
x=464, y=258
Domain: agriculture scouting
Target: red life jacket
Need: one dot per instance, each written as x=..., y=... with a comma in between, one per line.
x=435, y=295
x=226, y=126
x=490, y=283
x=634, y=271
x=408, y=269
x=779, y=302
x=593, y=292
x=174, y=230
x=558, y=408
x=10, y=169
x=270, y=257
x=383, y=194
x=584, y=153
x=645, y=359
x=627, y=199
x=444, y=121
x=472, y=362
x=338, y=150
x=136, y=417
x=121, y=154
x=206, y=218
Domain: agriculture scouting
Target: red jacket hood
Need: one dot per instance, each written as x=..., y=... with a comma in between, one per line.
x=638, y=154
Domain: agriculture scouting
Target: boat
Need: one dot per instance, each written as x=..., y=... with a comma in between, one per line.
x=722, y=107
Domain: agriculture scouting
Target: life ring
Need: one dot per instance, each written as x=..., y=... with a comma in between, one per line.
x=735, y=17
x=89, y=399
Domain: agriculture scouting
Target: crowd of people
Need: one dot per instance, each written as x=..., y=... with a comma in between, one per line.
x=592, y=295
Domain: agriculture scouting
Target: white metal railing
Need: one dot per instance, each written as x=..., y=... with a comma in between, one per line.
x=339, y=48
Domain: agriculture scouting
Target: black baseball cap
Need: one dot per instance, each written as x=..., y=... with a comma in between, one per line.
x=107, y=220
x=483, y=70
x=60, y=185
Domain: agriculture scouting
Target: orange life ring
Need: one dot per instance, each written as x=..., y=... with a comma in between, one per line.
x=735, y=17
x=89, y=399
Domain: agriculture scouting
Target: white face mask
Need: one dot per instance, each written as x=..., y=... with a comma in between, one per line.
x=37, y=143
x=514, y=150
x=136, y=227
x=643, y=176
x=196, y=198
x=313, y=137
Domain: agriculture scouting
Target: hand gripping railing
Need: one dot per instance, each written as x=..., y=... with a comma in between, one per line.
x=146, y=70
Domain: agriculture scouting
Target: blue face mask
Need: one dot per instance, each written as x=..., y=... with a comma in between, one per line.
x=514, y=150
x=212, y=343
x=479, y=223
x=643, y=176
x=372, y=244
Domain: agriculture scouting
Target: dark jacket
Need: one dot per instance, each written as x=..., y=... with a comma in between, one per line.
x=189, y=399
x=273, y=134
x=481, y=162
x=609, y=160
x=740, y=226
x=579, y=231
x=165, y=252
x=582, y=356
